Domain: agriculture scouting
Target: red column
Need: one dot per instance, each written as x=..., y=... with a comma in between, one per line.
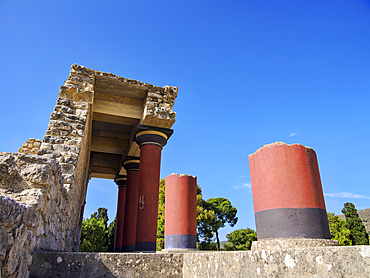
x=180, y=230
x=287, y=193
x=121, y=182
x=131, y=164
x=151, y=140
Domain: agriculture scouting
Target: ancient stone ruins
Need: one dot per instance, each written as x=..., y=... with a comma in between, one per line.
x=106, y=126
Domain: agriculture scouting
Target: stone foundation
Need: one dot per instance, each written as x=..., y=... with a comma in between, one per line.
x=343, y=261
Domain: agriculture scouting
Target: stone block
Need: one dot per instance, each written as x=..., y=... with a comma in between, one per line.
x=62, y=125
x=56, y=115
x=75, y=119
x=64, y=109
x=67, y=168
x=53, y=131
x=52, y=139
x=64, y=102
x=46, y=146
x=68, y=178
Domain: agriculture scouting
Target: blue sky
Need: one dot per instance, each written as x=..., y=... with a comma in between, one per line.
x=249, y=73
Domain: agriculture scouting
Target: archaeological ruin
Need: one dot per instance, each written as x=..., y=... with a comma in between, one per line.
x=107, y=126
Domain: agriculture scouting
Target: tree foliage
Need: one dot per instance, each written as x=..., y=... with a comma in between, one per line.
x=358, y=234
x=338, y=230
x=224, y=213
x=93, y=235
x=161, y=208
x=111, y=234
x=96, y=236
x=240, y=239
x=205, y=217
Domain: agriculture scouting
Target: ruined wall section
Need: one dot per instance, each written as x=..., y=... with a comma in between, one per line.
x=33, y=210
x=43, y=187
x=67, y=140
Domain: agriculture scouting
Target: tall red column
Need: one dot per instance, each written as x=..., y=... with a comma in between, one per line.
x=287, y=193
x=121, y=182
x=151, y=141
x=180, y=230
x=131, y=164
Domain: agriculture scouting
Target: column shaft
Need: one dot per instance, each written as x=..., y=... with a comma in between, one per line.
x=118, y=236
x=180, y=230
x=132, y=194
x=146, y=233
x=287, y=193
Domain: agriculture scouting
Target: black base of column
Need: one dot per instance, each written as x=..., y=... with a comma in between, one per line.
x=128, y=248
x=292, y=223
x=145, y=246
x=180, y=242
x=117, y=249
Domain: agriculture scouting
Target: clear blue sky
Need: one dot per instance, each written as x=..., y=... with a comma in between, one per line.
x=249, y=73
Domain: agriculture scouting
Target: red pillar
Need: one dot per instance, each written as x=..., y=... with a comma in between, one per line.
x=131, y=164
x=151, y=140
x=287, y=193
x=121, y=182
x=180, y=230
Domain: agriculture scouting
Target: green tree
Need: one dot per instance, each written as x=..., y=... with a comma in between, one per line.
x=207, y=245
x=161, y=209
x=224, y=213
x=93, y=235
x=358, y=233
x=111, y=234
x=205, y=218
x=240, y=239
x=103, y=216
x=96, y=236
x=338, y=230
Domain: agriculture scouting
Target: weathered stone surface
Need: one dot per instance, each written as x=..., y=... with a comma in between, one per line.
x=343, y=261
x=10, y=178
x=285, y=243
x=46, y=264
x=52, y=139
x=4, y=240
x=33, y=208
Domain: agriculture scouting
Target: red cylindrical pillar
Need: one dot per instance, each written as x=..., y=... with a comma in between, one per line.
x=287, y=193
x=180, y=230
x=121, y=182
x=151, y=140
x=131, y=164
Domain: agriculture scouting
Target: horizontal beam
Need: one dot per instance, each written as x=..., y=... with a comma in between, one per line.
x=118, y=109
x=108, y=145
x=100, y=133
x=103, y=170
x=115, y=119
x=112, y=86
x=103, y=176
x=105, y=160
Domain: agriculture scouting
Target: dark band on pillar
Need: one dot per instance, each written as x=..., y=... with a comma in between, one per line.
x=145, y=246
x=120, y=180
x=150, y=135
x=131, y=163
x=128, y=248
x=292, y=223
x=180, y=241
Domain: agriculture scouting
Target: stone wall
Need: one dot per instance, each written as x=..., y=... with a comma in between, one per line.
x=343, y=261
x=43, y=187
x=32, y=210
